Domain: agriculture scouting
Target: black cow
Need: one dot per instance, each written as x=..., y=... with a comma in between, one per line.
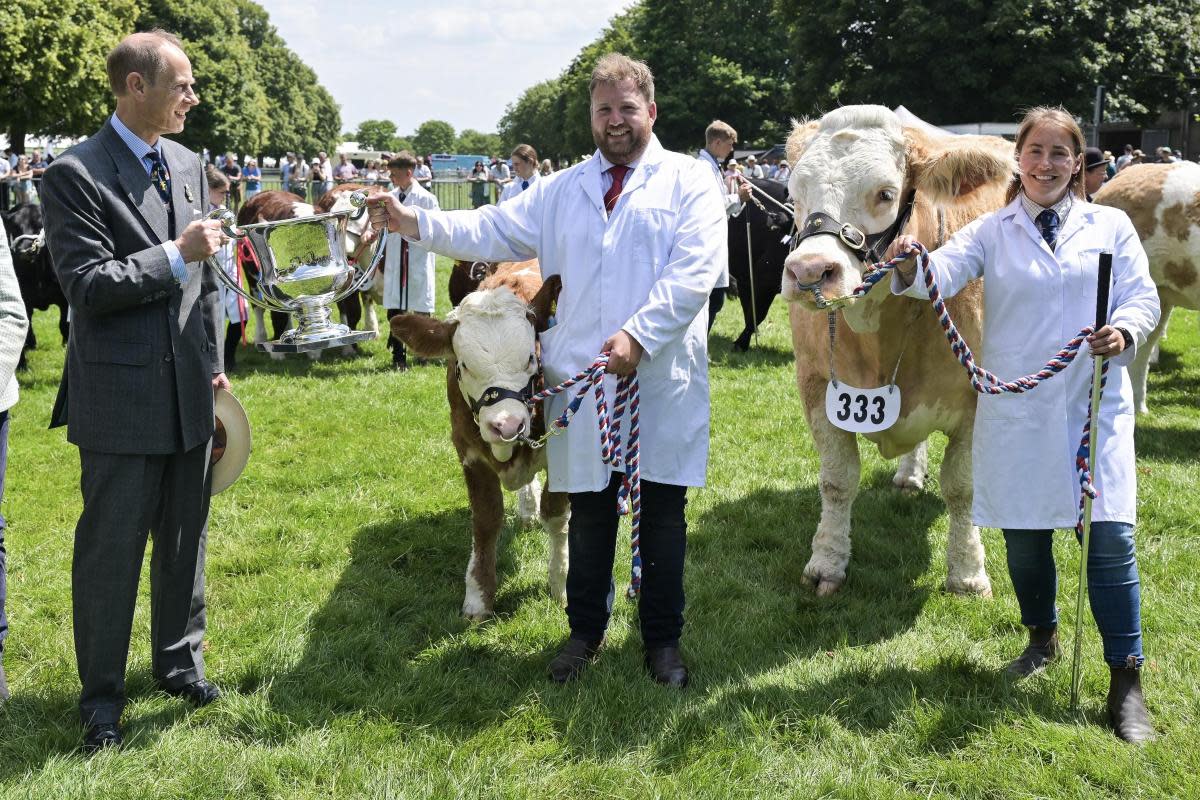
x=35, y=272
x=767, y=230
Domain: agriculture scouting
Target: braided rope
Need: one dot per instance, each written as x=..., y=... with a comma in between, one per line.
x=627, y=400
x=985, y=382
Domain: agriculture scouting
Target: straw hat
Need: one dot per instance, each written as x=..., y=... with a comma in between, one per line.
x=231, y=441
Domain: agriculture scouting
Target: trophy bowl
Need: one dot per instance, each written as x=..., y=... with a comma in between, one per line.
x=303, y=271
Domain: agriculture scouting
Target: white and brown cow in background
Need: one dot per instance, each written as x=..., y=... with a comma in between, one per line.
x=489, y=342
x=1163, y=200
x=359, y=306
x=859, y=165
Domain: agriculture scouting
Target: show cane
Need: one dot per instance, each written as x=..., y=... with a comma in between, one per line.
x=1104, y=279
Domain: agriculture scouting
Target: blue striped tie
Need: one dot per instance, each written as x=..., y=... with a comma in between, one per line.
x=160, y=176
x=1047, y=223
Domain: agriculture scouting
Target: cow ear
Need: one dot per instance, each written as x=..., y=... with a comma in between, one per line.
x=802, y=132
x=465, y=278
x=947, y=170
x=545, y=303
x=427, y=336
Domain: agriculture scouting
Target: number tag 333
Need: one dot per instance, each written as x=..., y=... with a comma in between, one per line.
x=862, y=410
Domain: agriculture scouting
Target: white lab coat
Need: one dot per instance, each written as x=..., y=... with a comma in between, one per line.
x=648, y=269
x=513, y=187
x=733, y=203
x=421, y=262
x=1035, y=300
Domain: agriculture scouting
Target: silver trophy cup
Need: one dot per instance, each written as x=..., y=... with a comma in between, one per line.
x=304, y=271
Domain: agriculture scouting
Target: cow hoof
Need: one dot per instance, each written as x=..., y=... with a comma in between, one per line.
x=909, y=484
x=1143, y=408
x=828, y=588
x=476, y=612
x=979, y=585
x=824, y=577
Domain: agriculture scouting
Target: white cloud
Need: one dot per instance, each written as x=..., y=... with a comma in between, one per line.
x=460, y=61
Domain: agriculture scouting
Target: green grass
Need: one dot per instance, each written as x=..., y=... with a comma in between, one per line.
x=335, y=577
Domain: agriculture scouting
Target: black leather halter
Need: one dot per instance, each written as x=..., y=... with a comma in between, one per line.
x=495, y=394
x=868, y=248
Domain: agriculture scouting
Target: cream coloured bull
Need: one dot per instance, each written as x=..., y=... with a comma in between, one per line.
x=1163, y=200
x=858, y=166
x=491, y=363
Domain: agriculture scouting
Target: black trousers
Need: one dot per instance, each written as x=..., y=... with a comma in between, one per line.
x=233, y=337
x=716, y=301
x=399, y=354
x=126, y=497
x=591, y=542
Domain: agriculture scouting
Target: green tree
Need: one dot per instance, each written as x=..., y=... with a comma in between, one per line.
x=474, y=142
x=434, y=136
x=535, y=117
x=375, y=134
x=52, y=52
x=399, y=143
x=1011, y=55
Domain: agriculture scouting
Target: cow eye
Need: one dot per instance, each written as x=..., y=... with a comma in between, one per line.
x=887, y=196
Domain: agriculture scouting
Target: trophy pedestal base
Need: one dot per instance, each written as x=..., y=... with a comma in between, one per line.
x=310, y=344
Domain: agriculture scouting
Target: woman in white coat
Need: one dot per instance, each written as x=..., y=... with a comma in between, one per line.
x=1039, y=256
x=525, y=164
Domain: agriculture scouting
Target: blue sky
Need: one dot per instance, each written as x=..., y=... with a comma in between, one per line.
x=456, y=60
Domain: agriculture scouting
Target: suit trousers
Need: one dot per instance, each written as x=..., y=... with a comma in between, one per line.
x=591, y=545
x=125, y=498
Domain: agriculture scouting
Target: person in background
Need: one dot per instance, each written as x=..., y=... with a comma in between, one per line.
x=1125, y=158
x=525, y=163
x=500, y=175
x=233, y=172
x=252, y=177
x=408, y=267
x=233, y=305
x=1039, y=258
x=1095, y=171
x=1111, y=169
x=731, y=173
x=6, y=183
x=345, y=170
x=479, y=179
x=23, y=176
x=371, y=174
x=784, y=173
x=285, y=171
x=719, y=141
x=752, y=169
x=546, y=168
x=13, y=326
x=424, y=173
x=325, y=181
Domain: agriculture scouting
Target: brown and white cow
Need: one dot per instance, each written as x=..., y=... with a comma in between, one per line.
x=860, y=166
x=359, y=306
x=489, y=342
x=1163, y=200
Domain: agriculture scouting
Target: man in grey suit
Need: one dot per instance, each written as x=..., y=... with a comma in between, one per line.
x=125, y=229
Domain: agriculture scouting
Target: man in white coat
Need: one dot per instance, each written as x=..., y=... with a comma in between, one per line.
x=719, y=139
x=408, y=268
x=636, y=235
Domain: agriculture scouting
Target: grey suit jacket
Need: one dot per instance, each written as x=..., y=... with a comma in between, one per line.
x=143, y=348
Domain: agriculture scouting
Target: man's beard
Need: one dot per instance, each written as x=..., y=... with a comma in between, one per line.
x=622, y=151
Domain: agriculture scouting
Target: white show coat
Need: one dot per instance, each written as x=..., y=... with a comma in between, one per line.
x=1035, y=300
x=421, y=262
x=230, y=307
x=648, y=269
x=513, y=187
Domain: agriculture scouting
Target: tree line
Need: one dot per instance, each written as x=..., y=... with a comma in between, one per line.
x=759, y=63
x=257, y=96
x=431, y=136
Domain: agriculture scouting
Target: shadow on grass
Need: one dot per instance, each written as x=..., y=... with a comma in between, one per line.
x=389, y=640
x=1177, y=443
x=721, y=353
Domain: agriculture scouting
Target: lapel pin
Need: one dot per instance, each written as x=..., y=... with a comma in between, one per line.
x=187, y=192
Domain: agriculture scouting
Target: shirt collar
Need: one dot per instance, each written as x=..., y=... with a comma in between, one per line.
x=1062, y=207
x=605, y=164
x=135, y=143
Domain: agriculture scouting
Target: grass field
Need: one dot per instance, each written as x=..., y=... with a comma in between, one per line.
x=335, y=577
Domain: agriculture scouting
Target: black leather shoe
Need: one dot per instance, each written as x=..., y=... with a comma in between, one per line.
x=100, y=737
x=666, y=665
x=1127, y=708
x=200, y=693
x=572, y=659
x=1041, y=650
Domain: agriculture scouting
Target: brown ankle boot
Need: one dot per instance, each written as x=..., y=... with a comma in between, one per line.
x=1041, y=650
x=1126, y=707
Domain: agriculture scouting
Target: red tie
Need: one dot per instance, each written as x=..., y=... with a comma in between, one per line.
x=618, y=172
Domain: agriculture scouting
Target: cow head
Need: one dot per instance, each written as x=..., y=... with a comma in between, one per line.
x=358, y=231
x=858, y=178
x=489, y=340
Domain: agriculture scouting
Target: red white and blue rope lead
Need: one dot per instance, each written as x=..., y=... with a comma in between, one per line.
x=628, y=399
x=984, y=381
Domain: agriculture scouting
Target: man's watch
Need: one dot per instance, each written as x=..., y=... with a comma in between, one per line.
x=1126, y=336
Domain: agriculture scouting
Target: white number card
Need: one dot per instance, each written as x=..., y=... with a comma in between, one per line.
x=862, y=410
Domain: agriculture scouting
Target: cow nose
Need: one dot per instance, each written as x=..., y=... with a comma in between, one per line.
x=812, y=268
x=506, y=426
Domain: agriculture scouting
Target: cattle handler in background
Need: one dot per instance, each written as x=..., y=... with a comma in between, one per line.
x=719, y=140
x=1039, y=256
x=637, y=235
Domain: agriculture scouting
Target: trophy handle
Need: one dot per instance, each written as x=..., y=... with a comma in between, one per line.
x=358, y=199
x=227, y=220
x=362, y=280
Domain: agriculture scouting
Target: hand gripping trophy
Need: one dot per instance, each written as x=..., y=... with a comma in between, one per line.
x=303, y=272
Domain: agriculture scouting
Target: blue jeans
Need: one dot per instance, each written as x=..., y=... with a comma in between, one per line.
x=1114, y=589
